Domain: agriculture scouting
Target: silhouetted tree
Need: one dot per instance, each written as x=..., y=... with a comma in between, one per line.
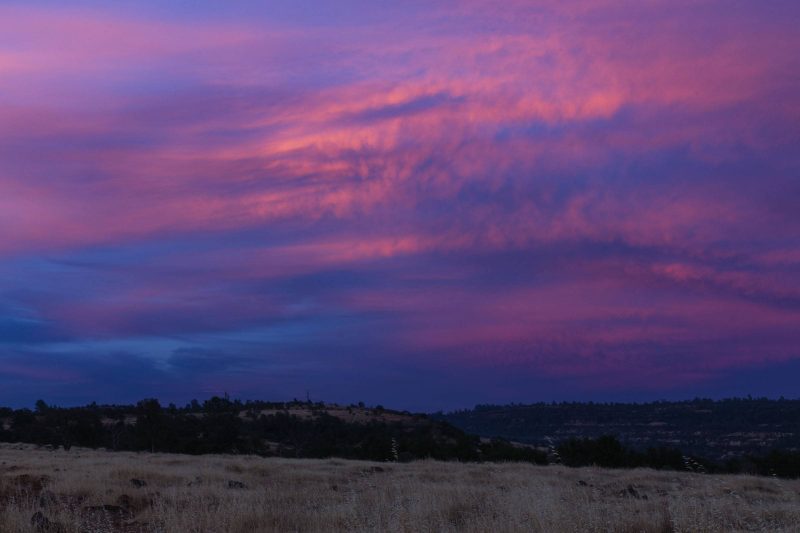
x=149, y=421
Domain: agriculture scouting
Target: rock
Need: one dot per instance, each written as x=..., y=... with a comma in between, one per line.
x=134, y=527
x=110, y=512
x=630, y=492
x=134, y=504
x=138, y=483
x=124, y=501
x=31, y=484
x=236, y=485
x=47, y=499
x=582, y=483
x=40, y=522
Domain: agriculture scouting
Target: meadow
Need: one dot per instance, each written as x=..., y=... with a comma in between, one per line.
x=91, y=491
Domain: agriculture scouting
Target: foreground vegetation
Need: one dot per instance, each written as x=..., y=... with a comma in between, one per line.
x=92, y=491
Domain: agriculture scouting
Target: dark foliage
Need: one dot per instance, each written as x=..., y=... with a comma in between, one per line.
x=221, y=425
x=608, y=452
x=728, y=432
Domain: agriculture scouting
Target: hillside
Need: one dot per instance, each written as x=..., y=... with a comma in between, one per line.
x=220, y=425
x=84, y=490
x=718, y=430
x=679, y=436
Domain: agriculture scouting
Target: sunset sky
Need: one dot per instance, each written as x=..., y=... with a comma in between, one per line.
x=421, y=204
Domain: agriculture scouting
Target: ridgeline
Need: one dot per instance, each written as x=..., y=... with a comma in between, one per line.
x=282, y=429
x=730, y=436
x=735, y=435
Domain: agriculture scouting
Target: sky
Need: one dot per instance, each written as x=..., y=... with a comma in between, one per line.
x=425, y=205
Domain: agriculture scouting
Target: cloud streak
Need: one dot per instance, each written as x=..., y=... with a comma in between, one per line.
x=604, y=190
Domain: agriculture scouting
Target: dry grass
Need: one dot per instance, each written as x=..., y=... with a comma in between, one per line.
x=247, y=494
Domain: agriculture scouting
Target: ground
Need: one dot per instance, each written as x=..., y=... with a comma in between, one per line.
x=97, y=491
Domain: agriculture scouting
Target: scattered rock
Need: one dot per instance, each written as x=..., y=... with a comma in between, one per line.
x=47, y=499
x=31, y=484
x=235, y=485
x=582, y=483
x=104, y=518
x=630, y=492
x=40, y=522
x=124, y=501
x=134, y=527
x=114, y=513
x=106, y=508
x=71, y=502
x=134, y=504
x=138, y=483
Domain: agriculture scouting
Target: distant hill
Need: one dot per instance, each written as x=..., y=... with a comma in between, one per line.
x=734, y=436
x=718, y=430
x=284, y=429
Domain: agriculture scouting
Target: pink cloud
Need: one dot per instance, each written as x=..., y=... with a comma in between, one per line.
x=573, y=74
x=650, y=136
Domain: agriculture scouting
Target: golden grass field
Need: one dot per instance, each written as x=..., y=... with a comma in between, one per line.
x=92, y=491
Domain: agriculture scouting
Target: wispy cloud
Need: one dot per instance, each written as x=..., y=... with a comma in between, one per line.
x=603, y=189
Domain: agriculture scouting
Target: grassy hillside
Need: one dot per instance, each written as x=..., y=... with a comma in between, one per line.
x=84, y=490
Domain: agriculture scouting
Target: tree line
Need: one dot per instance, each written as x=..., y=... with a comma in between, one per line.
x=716, y=429
x=222, y=425
x=607, y=451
